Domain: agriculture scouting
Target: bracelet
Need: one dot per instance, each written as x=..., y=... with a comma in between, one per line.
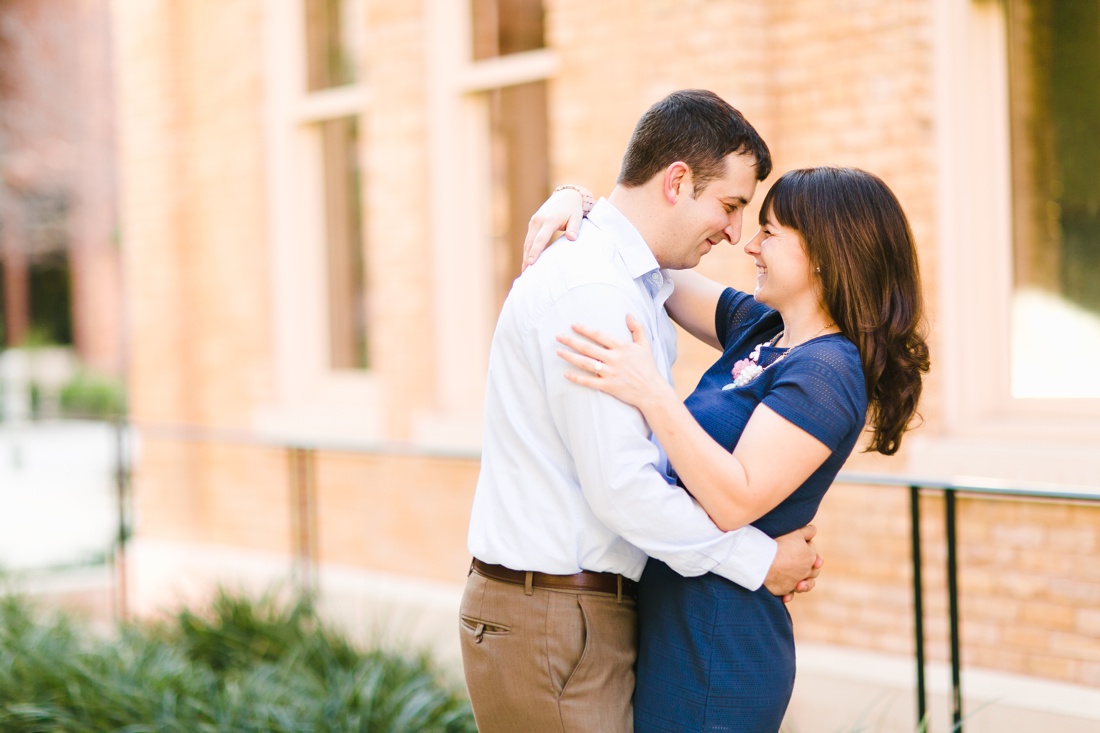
x=587, y=199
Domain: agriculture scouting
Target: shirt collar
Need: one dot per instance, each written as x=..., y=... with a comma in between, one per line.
x=633, y=250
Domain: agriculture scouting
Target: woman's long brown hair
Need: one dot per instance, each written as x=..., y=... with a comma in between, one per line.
x=860, y=246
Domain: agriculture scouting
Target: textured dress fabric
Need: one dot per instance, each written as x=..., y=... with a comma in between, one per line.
x=714, y=656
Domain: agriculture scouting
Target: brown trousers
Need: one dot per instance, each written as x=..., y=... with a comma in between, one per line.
x=550, y=662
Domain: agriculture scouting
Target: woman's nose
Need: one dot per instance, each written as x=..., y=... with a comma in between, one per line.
x=753, y=245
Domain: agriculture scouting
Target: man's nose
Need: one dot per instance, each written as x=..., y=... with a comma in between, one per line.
x=733, y=229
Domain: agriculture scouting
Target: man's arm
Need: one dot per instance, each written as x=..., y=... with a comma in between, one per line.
x=693, y=303
x=619, y=467
x=796, y=564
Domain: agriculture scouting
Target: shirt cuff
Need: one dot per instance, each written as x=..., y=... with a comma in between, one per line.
x=750, y=559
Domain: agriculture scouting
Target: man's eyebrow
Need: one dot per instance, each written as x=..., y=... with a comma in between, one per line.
x=736, y=200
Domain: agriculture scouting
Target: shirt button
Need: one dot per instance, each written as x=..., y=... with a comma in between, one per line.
x=655, y=277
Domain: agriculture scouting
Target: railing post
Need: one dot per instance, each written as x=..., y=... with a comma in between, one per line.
x=122, y=475
x=303, y=517
x=918, y=600
x=953, y=606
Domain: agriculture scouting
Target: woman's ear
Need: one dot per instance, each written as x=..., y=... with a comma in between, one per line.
x=677, y=182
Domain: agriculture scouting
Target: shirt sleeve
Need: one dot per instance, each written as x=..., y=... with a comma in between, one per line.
x=620, y=469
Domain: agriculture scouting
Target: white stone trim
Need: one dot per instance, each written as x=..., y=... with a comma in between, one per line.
x=332, y=103
x=504, y=71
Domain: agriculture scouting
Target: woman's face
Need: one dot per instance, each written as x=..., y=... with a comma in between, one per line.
x=783, y=277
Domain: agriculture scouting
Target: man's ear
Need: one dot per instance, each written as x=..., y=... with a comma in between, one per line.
x=677, y=182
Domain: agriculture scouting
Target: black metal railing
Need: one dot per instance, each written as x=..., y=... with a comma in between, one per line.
x=301, y=461
x=950, y=491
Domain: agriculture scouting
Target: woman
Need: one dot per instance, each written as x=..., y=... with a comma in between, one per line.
x=832, y=336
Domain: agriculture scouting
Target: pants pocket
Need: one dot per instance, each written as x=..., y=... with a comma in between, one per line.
x=568, y=636
x=609, y=652
x=480, y=628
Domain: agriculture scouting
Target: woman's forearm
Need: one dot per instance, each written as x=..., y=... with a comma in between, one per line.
x=714, y=476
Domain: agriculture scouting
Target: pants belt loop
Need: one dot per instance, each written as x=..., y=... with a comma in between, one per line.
x=619, y=592
x=471, y=570
x=529, y=584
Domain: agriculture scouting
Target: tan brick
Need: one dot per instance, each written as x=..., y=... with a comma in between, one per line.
x=1089, y=673
x=1075, y=646
x=1085, y=568
x=1075, y=540
x=980, y=633
x=1026, y=638
x=1023, y=536
x=1075, y=592
x=1056, y=668
x=1048, y=615
x=1088, y=622
x=1008, y=661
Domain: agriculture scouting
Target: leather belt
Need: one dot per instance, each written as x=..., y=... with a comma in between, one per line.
x=586, y=580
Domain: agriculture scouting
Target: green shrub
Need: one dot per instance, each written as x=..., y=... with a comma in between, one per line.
x=244, y=666
x=89, y=394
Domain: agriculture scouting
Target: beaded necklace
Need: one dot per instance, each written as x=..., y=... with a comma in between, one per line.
x=746, y=370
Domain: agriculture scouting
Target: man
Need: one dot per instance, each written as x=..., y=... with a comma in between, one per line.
x=573, y=492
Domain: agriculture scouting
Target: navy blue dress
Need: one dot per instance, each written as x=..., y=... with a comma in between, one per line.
x=712, y=655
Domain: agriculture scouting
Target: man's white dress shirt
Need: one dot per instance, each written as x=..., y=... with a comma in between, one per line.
x=572, y=479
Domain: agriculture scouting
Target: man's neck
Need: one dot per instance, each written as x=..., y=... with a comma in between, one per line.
x=637, y=205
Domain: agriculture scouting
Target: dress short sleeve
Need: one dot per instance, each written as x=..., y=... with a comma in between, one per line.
x=820, y=388
x=735, y=311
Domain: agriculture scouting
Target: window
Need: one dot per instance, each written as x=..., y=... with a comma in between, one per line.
x=333, y=42
x=504, y=27
x=487, y=68
x=1054, y=84
x=333, y=46
x=36, y=295
x=1003, y=402
x=519, y=166
x=317, y=114
x=520, y=174
x=347, y=297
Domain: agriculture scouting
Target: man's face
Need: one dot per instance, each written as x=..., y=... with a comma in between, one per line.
x=712, y=216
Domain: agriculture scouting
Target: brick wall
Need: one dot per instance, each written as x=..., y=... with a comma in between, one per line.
x=197, y=266
x=1028, y=581
x=826, y=82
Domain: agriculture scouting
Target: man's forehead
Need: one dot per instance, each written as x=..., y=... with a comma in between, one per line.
x=739, y=182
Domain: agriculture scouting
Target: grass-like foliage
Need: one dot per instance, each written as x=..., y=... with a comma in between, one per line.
x=243, y=666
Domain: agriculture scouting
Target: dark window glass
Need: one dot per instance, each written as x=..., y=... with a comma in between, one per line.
x=333, y=33
x=51, y=307
x=520, y=172
x=503, y=27
x=1055, y=102
x=3, y=303
x=346, y=257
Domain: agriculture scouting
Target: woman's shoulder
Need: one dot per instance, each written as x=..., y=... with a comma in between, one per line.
x=832, y=356
x=739, y=314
